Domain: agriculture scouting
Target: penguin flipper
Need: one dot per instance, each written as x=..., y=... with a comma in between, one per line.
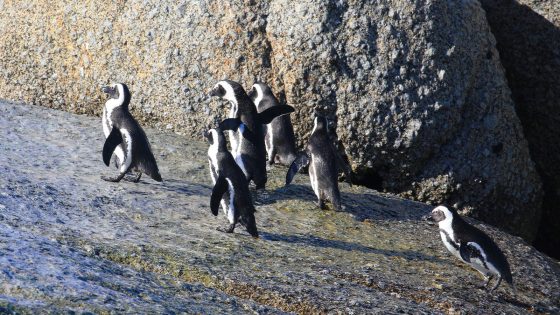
x=113, y=140
x=266, y=116
x=230, y=124
x=469, y=250
x=344, y=166
x=301, y=161
x=217, y=192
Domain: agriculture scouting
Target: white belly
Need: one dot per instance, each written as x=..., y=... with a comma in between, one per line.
x=107, y=127
x=449, y=246
x=313, y=177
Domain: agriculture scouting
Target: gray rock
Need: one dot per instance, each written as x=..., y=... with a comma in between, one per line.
x=528, y=40
x=70, y=242
x=420, y=61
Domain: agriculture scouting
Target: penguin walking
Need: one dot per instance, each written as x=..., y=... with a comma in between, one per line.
x=323, y=160
x=248, y=148
x=125, y=137
x=472, y=246
x=279, y=134
x=231, y=188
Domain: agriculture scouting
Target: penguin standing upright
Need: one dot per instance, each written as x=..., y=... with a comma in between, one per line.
x=248, y=148
x=323, y=160
x=472, y=246
x=125, y=133
x=231, y=188
x=279, y=134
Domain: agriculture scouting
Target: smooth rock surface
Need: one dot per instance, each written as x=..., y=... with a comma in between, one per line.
x=528, y=39
x=70, y=241
x=422, y=103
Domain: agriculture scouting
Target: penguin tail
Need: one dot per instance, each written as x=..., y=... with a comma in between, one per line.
x=337, y=204
x=156, y=177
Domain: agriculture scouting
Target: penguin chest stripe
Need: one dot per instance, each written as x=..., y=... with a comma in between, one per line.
x=127, y=139
x=231, y=211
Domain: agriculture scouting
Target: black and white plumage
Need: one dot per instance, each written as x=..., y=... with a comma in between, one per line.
x=279, y=134
x=472, y=246
x=324, y=162
x=248, y=148
x=231, y=188
x=125, y=137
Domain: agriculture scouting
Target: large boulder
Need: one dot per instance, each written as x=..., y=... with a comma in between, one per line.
x=421, y=100
x=528, y=39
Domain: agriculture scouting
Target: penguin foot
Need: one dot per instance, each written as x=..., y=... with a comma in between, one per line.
x=230, y=229
x=113, y=179
x=134, y=179
x=495, y=285
x=321, y=204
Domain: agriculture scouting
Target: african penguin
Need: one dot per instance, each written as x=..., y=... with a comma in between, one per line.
x=279, y=134
x=248, y=150
x=231, y=188
x=472, y=246
x=323, y=160
x=126, y=133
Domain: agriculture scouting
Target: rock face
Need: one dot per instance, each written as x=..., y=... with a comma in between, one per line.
x=528, y=39
x=417, y=87
x=72, y=242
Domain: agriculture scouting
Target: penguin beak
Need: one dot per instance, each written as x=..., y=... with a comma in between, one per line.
x=217, y=91
x=106, y=89
x=428, y=217
x=206, y=134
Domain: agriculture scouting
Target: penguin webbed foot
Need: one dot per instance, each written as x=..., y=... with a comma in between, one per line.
x=229, y=229
x=321, y=204
x=134, y=179
x=113, y=179
x=495, y=285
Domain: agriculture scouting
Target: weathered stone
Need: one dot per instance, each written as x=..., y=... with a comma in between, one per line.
x=425, y=75
x=528, y=39
x=71, y=242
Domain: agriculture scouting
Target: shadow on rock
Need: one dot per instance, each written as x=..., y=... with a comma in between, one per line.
x=530, y=52
x=315, y=241
x=183, y=187
x=361, y=206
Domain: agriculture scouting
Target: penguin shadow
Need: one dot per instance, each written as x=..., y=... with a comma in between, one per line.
x=293, y=192
x=318, y=242
x=365, y=206
x=368, y=206
x=183, y=187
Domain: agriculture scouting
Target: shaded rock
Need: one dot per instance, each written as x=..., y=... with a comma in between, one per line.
x=420, y=105
x=528, y=39
x=72, y=242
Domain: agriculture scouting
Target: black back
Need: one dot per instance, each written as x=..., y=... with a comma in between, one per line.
x=282, y=128
x=142, y=156
x=229, y=169
x=464, y=233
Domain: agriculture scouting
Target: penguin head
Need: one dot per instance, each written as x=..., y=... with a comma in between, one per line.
x=119, y=95
x=216, y=138
x=257, y=93
x=442, y=214
x=228, y=90
x=320, y=123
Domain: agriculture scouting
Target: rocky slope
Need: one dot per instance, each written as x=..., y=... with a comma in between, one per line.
x=421, y=101
x=528, y=39
x=72, y=242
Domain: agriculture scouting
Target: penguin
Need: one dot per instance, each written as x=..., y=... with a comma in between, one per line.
x=279, y=134
x=125, y=132
x=231, y=188
x=472, y=246
x=248, y=148
x=323, y=160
